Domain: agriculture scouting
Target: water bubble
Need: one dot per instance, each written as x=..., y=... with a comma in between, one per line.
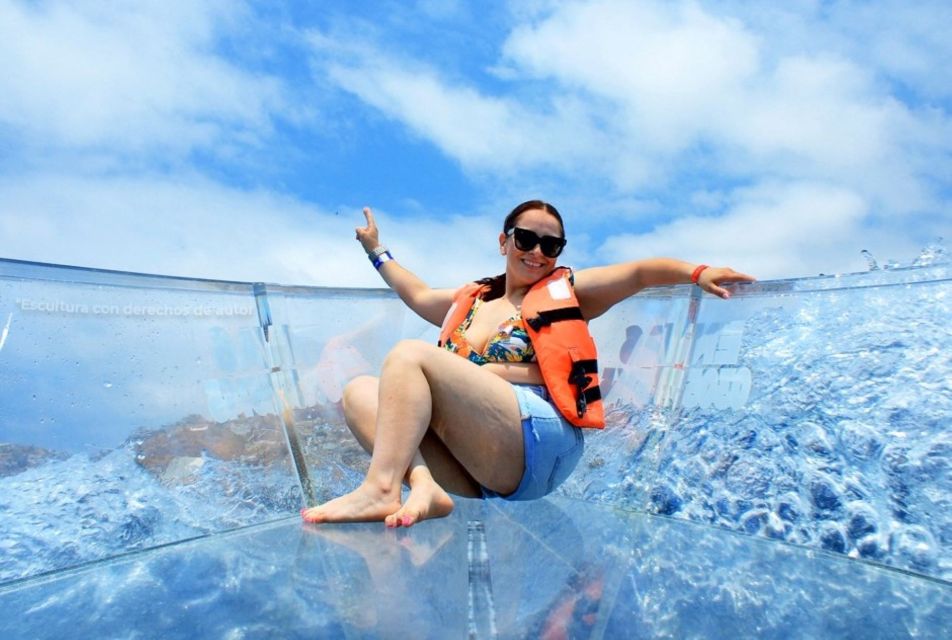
x=665, y=500
x=915, y=545
x=862, y=520
x=107, y=385
x=776, y=528
x=859, y=439
x=824, y=495
x=831, y=538
x=895, y=459
x=754, y=520
x=871, y=547
x=789, y=508
x=750, y=478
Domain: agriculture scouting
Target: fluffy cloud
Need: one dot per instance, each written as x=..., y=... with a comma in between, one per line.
x=770, y=231
x=672, y=99
x=198, y=228
x=661, y=66
x=483, y=132
x=129, y=78
x=128, y=129
x=678, y=77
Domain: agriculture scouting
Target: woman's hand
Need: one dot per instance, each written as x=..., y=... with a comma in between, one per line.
x=368, y=236
x=712, y=277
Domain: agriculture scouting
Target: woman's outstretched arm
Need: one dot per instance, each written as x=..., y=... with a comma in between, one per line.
x=600, y=288
x=428, y=303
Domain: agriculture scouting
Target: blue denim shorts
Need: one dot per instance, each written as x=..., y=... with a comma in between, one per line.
x=553, y=446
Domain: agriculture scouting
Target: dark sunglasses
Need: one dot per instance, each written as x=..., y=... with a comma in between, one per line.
x=526, y=240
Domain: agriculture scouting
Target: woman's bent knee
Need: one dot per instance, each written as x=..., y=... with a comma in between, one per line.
x=408, y=351
x=357, y=392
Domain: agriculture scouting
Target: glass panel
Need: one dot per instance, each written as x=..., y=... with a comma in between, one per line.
x=555, y=566
x=137, y=411
x=324, y=338
x=813, y=416
x=131, y=416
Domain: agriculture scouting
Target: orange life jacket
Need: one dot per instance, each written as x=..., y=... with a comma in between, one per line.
x=564, y=348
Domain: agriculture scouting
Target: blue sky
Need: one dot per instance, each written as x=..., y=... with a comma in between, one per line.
x=239, y=140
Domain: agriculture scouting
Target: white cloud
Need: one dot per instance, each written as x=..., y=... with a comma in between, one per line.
x=640, y=87
x=482, y=132
x=605, y=105
x=663, y=65
x=661, y=94
x=194, y=227
x=770, y=231
x=904, y=42
x=129, y=77
x=678, y=76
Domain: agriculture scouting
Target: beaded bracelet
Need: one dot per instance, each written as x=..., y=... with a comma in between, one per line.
x=696, y=274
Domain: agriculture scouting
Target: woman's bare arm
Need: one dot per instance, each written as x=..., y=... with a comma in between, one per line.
x=600, y=288
x=428, y=303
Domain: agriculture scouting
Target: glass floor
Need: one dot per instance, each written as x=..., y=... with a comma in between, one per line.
x=554, y=568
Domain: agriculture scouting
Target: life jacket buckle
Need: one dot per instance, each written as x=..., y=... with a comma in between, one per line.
x=581, y=405
x=581, y=381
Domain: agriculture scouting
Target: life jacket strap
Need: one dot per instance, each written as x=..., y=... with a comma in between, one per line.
x=545, y=318
x=589, y=395
x=581, y=381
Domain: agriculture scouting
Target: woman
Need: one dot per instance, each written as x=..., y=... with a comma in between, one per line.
x=498, y=421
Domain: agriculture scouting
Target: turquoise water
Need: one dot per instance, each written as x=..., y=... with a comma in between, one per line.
x=775, y=466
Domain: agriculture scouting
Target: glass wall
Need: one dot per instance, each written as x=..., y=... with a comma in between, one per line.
x=139, y=410
x=135, y=411
x=811, y=411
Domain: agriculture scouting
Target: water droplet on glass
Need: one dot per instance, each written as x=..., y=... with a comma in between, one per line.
x=108, y=385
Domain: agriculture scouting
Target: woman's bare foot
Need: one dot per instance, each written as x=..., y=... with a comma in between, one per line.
x=427, y=499
x=364, y=504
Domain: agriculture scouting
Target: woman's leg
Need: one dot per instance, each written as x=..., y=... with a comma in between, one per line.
x=474, y=412
x=360, y=401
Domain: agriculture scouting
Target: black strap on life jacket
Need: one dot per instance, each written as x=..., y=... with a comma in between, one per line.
x=578, y=377
x=545, y=318
x=589, y=395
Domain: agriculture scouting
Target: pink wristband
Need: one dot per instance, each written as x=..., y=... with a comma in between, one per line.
x=697, y=272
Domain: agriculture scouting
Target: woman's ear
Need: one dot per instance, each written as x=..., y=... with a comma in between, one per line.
x=502, y=244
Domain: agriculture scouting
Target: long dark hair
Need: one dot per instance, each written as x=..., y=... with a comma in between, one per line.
x=497, y=284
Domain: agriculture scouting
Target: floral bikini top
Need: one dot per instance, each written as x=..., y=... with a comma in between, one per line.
x=510, y=343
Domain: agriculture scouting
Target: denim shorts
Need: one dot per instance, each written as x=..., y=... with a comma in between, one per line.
x=553, y=446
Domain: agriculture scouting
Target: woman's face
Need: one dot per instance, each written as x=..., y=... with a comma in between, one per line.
x=530, y=266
